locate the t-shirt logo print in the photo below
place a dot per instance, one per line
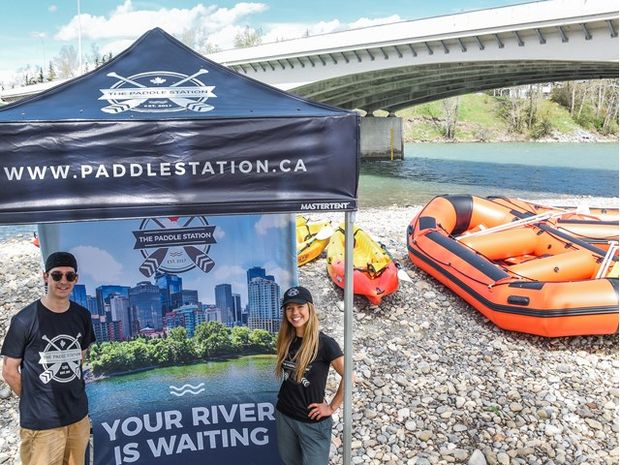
(61, 359)
(289, 369)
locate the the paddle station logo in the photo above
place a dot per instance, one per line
(61, 359)
(157, 92)
(174, 244)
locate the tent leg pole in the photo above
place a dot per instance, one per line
(349, 219)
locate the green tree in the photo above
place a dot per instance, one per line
(262, 341)
(240, 338)
(212, 339)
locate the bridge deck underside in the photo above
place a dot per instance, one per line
(397, 88)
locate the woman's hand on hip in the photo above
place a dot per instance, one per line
(319, 410)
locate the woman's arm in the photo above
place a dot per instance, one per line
(323, 409)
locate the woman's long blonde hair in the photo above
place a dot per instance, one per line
(309, 345)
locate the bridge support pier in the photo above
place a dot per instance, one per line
(381, 138)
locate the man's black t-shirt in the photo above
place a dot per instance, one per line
(294, 398)
(50, 345)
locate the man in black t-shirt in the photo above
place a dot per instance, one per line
(43, 352)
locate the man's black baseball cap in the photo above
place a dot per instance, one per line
(60, 259)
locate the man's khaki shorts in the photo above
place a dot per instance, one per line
(65, 445)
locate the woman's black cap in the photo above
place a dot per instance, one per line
(297, 295)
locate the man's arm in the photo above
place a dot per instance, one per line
(11, 373)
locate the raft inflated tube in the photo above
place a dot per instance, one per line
(530, 278)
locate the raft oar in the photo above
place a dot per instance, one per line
(515, 224)
(613, 248)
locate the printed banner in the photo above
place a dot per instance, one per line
(185, 310)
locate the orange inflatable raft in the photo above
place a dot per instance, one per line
(527, 268)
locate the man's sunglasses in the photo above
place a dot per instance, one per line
(57, 276)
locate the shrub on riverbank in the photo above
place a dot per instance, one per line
(485, 118)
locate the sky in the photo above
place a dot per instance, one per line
(33, 32)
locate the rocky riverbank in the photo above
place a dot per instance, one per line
(437, 383)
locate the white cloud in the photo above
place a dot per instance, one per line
(203, 23)
(115, 47)
(366, 22)
(284, 31)
(226, 273)
(108, 270)
(126, 22)
(52, 8)
(267, 222)
(281, 275)
(219, 233)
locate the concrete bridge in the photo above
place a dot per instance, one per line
(393, 66)
(397, 65)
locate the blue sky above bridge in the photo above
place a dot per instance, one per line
(34, 31)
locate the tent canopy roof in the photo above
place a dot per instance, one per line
(160, 73)
(162, 131)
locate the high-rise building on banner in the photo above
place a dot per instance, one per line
(91, 305)
(258, 272)
(100, 328)
(145, 304)
(115, 330)
(168, 284)
(264, 304)
(78, 295)
(189, 315)
(185, 297)
(212, 313)
(103, 292)
(119, 311)
(237, 309)
(224, 301)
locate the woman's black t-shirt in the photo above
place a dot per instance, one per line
(294, 398)
(50, 345)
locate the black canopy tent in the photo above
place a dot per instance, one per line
(161, 130)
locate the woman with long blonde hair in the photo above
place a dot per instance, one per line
(303, 415)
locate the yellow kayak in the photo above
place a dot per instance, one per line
(375, 273)
(309, 246)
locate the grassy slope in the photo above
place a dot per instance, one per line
(478, 120)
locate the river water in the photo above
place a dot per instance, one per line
(161, 388)
(531, 171)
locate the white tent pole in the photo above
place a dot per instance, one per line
(349, 219)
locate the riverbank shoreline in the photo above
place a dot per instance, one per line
(437, 383)
(578, 137)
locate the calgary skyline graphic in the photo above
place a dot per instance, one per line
(235, 277)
